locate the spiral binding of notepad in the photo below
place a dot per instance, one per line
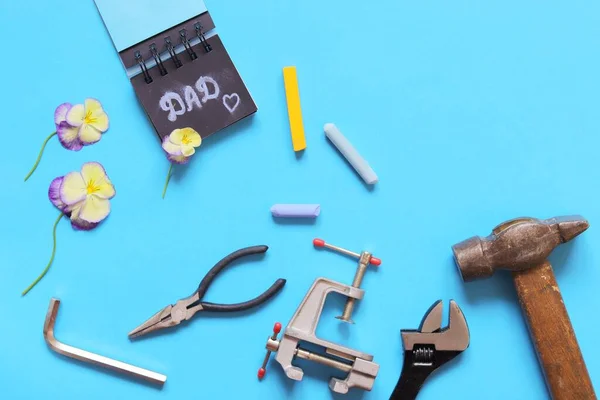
(171, 53)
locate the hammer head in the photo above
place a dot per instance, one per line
(515, 245)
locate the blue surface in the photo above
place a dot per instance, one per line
(470, 113)
(132, 21)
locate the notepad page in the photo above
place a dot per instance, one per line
(132, 21)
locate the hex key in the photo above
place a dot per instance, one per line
(92, 358)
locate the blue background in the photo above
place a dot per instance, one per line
(471, 113)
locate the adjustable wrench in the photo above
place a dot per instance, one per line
(430, 347)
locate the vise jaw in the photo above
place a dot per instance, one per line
(360, 367)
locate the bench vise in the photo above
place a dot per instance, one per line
(359, 366)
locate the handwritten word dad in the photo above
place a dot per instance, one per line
(172, 102)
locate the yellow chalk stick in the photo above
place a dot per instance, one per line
(292, 94)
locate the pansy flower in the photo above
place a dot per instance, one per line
(76, 126)
(84, 197)
(180, 145)
(85, 122)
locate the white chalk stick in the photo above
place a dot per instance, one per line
(345, 147)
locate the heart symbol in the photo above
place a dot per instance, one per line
(231, 101)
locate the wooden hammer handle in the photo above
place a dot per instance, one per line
(566, 375)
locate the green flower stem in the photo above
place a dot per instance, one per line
(39, 156)
(39, 278)
(168, 179)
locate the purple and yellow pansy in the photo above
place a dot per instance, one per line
(76, 126)
(180, 145)
(84, 125)
(83, 196)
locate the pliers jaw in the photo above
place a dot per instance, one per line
(169, 316)
(160, 320)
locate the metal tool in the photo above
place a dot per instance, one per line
(430, 347)
(521, 246)
(92, 358)
(360, 367)
(263, 369)
(364, 259)
(185, 308)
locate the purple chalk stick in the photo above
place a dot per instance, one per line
(296, 210)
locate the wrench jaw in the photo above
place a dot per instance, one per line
(455, 337)
(459, 337)
(432, 321)
(429, 348)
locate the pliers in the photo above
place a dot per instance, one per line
(430, 347)
(185, 308)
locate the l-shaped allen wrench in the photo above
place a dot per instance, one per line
(92, 358)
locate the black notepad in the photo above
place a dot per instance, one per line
(177, 64)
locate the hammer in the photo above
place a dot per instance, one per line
(521, 246)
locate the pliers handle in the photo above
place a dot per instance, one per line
(220, 266)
